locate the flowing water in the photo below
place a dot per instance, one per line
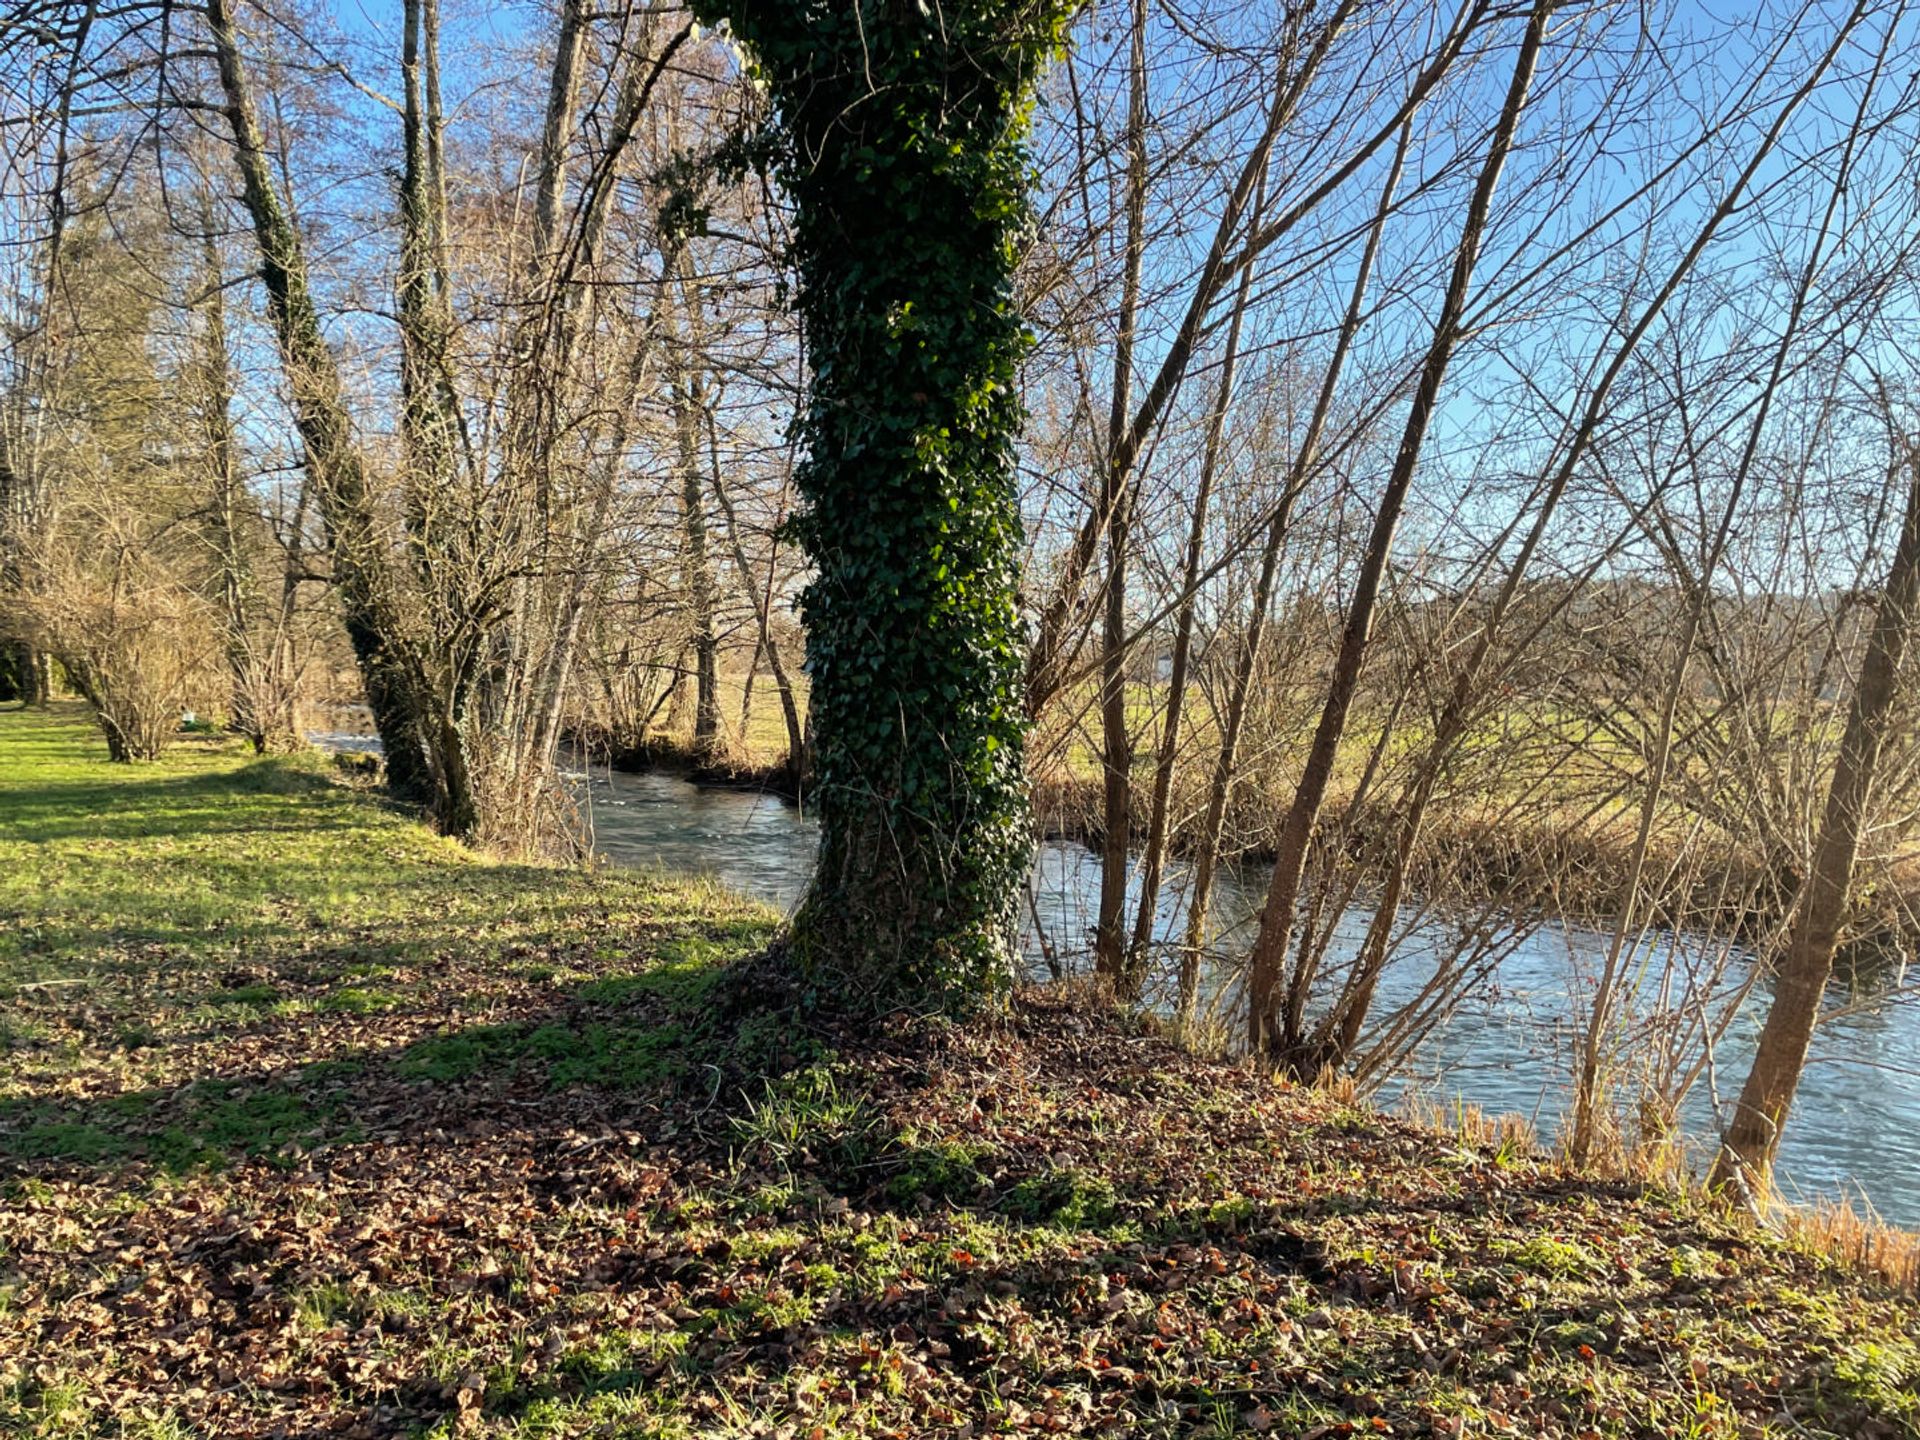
(1855, 1129)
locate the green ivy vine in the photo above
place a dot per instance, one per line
(897, 132)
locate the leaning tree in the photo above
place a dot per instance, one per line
(897, 131)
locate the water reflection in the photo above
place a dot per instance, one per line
(752, 843)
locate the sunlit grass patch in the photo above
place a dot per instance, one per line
(1884, 1375)
(1546, 1255)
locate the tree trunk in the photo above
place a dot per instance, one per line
(430, 407)
(1275, 1021)
(1800, 976)
(22, 675)
(123, 747)
(689, 419)
(556, 539)
(1340, 1033)
(1220, 791)
(905, 215)
(763, 618)
(548, 689)
(226, 504)
(1109, 944)
(337, 471)
(1153, 855)
(430, 427)
(1587, 1110)
(1046, 667)
(550, 693)
(700, 586)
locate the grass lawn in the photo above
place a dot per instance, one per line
(314, 1124)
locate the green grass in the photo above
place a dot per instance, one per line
(154, 913)
(211, 856)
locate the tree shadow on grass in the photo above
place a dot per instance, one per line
(1056, 1296)
(207, 803)
(631, 1036)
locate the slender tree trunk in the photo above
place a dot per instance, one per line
(24, 672)
(1226, 762)
(501, 668)
(282, 681)
(261, 701)
(1339, 1036)
(1587, 1087)
(556, 135)
(677, 693)
(1587, 1090)
(549, 688)
(1801, 973)
(689, 417)
(746, 689)
(1271, 1025)
(700, 587)
(523, 696)
(1109, 944)
(1046, 663)
(21, 673)
(1153, 856)
(225, 502)
(118, 750)
(796, 761)
(551, 691)
(430, 406)
(431, 427)
(763, 619)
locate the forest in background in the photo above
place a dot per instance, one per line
(1469, 460)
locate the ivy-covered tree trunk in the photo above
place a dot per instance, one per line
(899, 131)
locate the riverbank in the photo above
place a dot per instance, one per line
(1578, 860)
(313, 1123)
(664, 754)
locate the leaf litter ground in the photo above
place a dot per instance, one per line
(392, 1142)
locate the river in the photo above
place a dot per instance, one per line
(1854, 1132)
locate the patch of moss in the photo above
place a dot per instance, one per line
(619, 1056)
(64, 1140)
(622, 1056)
(1067, 1198)
(946, 1172)
(461, 1053)
(1544, 1255)
(359, 1000)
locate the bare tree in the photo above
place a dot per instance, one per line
(1801, 972)
(1272, 1026)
